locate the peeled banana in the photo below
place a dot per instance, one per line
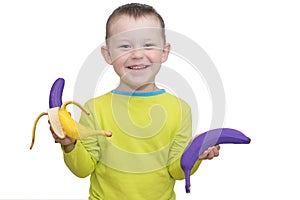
(60, 119)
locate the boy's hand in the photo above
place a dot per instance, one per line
(67, 142)
(210, 153)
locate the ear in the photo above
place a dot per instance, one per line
(165, 53)
(106, 55)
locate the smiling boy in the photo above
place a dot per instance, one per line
(136, 48)
(150, 126)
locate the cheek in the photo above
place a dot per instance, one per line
(156, 56)
(118, 64)
(119, 58)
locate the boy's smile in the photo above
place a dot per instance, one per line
(138, 67)
(136, 50)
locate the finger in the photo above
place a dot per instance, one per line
(53, 134)
(56, 140)
(210, 155)
(216, 152)
(203, 156)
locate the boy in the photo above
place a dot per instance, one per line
(150, 127)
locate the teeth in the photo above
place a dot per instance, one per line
(137, 67)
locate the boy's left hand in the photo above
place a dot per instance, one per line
(210, 153)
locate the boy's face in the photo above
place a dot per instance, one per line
(136, 49)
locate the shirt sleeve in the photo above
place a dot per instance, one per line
(84, 157)
(180, 142)
(79, 161)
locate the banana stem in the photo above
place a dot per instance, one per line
(75, 103)
(34, 127)
(187, 181)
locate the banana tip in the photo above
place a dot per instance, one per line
(107, 133)
(188, 189)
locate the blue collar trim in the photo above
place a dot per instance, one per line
(139, 94)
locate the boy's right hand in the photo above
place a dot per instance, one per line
(68, 143)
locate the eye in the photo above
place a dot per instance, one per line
(149, 45)
(125, 46)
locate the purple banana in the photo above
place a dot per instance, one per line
(55, 98)
(202, 142)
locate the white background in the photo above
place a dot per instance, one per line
(255, 46)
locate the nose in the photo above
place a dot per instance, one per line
(137, 53)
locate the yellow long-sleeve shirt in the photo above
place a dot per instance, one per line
(141, 160)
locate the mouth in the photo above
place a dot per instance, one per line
(138, 67)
